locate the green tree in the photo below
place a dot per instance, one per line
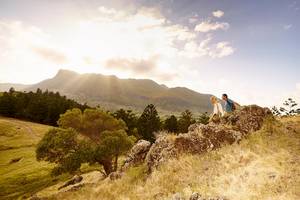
(203, 118)
(102, 140)
(289, 108)
(114, 144)
(130, 120)
(171, 124)
(185, 120)
(8, 104)
(60, 146)
(148, 123)
(43, 107)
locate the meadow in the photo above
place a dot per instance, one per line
(20, 174)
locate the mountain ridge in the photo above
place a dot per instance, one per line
(112, 93)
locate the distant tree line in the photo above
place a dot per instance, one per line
(149, 122)
(42, 107)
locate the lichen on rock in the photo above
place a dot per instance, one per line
(202, 138)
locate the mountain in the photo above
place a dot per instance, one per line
(7, 86)
(112, 92)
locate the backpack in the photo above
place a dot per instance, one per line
(232, 105)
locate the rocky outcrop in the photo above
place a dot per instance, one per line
(206, 137)
(137, 154)
(202, 138)
(248, 119)
(161, 150)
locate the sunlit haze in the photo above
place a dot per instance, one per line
(247, 49)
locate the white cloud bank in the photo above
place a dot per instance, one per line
(128, 38)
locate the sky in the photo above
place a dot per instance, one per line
(248, 49)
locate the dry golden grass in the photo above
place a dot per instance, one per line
(264, 166)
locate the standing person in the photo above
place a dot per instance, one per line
(218, 110)
(230, 106)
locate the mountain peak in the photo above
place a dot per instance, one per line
(65, 73)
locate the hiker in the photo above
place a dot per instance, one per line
(218, 110)
(230, 105)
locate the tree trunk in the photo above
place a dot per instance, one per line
(116, 163)
(107, 165)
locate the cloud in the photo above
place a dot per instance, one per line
(222, 49)
(50, 54)
(294, 5)
(206, 48)
(107, 11)
(140, 41)
(167, 76)
(138, 66)
(208, 26)
(287, 27)
(18, 61)
(218, 13)
(20, 40)
(193, 20)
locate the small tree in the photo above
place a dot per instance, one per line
(102, 140)
(203, 118)
(114, 143)
(289, 108)
(276, 111)
(148, 123)
(185, 120)
(170, 124)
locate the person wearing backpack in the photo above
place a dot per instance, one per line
(230, 106)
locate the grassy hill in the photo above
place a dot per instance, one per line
(266, 165)
(20, 173)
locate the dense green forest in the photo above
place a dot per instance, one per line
(42, 107)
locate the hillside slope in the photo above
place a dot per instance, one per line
(112, 93)
(266, 165)
(20, 173)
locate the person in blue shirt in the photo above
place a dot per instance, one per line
(229, 104)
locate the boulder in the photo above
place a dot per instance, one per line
(137, 154)
(205, 138)
(247, 119)
(74, 180)
(161, 150)
(202, 138)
